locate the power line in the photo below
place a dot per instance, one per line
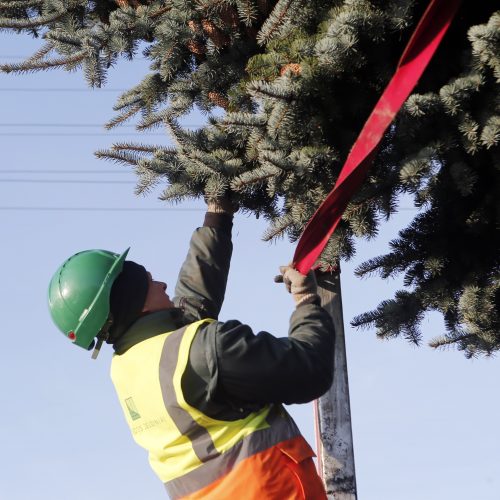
(117, 171)
(27, 56)
(125, 209)
(79, 125)
(54, 89)
(101, 209)
(63, 181)
(48, 134)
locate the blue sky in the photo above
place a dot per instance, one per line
(425, 422)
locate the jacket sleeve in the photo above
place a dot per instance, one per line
(250, 368)
(202, 280)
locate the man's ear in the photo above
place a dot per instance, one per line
(146, 307)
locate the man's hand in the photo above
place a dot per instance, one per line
(221, 206)
(303, 288)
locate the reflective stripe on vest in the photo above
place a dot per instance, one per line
(187, 449)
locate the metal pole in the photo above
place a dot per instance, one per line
(332, 410)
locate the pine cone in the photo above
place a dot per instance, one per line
(195, 27)
(218, 99)
(196, 48)
(214, 33)
(293, 67)
(127, 3)
(132, 3)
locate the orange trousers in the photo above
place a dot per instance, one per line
(286, 471)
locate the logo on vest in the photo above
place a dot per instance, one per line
(132, 409)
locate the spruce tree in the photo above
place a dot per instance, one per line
(287, 86)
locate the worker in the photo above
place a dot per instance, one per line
(203, 397)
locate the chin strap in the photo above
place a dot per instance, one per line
(102, 336)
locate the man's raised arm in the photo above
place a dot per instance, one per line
(201, 284)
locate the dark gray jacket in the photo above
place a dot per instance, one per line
(233, 371)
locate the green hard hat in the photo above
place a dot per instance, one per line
(79, 293)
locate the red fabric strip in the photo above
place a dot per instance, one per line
(416, 56)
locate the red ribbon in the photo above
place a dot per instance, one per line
(416, 56)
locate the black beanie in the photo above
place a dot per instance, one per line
(128, 295)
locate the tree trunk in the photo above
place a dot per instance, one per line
(332, 410)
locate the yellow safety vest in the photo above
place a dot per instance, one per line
(187, 449)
